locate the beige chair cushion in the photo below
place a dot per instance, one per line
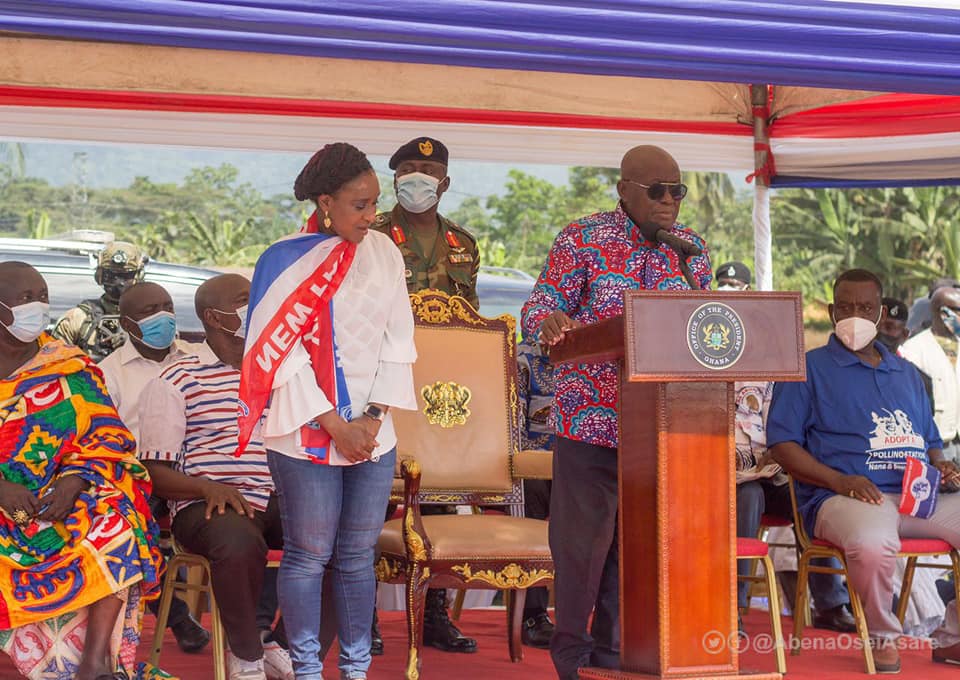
(465, 537)
(474, 456)
(533, 464)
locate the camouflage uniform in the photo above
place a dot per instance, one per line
(452, 266)
(93, 326)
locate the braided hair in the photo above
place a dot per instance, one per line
(329, 169)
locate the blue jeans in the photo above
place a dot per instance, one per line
(331, 514)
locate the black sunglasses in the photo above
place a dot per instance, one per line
(657, 190)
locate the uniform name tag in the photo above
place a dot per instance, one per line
(460, 258)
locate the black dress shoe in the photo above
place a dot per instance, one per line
(537, 631)
(837, 619)
(376, 639)
(191, 636)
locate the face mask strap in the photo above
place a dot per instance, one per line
(227, 330)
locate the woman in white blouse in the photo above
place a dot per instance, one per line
(328, 428)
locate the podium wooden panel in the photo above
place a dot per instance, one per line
(680, 354)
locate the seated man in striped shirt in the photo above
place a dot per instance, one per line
(224, 505)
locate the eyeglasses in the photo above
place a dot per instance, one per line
(657, 190)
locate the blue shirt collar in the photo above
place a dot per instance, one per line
(844, 357)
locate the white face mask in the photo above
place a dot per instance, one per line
(727, 286)
(855, 332)
(417, 192)
(29, 320)
(241, 331)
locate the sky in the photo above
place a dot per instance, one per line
(271, 173)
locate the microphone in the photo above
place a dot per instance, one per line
(683, 249)
(682, 246)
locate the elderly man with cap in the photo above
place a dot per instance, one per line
(439, 254)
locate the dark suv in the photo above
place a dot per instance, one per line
(68, 268)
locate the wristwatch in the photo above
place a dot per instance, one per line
(373, 411)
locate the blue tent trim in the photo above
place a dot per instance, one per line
(786, 42)
(791, 182)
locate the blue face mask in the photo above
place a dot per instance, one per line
(158, 330)
(950, 320)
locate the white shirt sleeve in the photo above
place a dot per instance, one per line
(110, 370)
(163, 422)
(393, 384)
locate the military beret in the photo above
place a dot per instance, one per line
(895, 309)
(420, 149)
(737, 271)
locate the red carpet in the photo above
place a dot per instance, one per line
(826, 655)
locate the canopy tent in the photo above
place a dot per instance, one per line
(565, 81)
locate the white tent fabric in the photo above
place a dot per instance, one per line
(251, 132)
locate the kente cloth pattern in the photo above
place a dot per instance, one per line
(589, 266)
(52, 649)
(56, 419)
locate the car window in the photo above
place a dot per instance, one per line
(501, 296)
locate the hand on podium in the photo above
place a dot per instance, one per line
(554, 327)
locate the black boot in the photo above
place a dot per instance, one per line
(191, 636)
(439, 631)
(376, 639)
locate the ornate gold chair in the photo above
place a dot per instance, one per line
(458, 448)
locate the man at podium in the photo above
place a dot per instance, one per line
(637, 246)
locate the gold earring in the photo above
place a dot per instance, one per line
(326, 220)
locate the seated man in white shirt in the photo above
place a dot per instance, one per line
(934, 352)
(224, 505)
(146, 314)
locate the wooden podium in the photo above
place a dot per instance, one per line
(682, 352)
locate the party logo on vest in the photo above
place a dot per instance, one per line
(715, 335)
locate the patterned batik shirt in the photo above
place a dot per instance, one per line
(592, 261)
(536, 387)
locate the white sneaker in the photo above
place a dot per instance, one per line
(241, 669)
(276, 662)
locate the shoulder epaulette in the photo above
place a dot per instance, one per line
(458, 231)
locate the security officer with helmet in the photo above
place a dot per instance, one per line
(94, 325)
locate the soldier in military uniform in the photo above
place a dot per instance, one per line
(94, 325)
(437, 254)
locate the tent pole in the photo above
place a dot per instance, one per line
(760, 99)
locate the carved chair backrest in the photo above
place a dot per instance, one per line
(465, 430)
